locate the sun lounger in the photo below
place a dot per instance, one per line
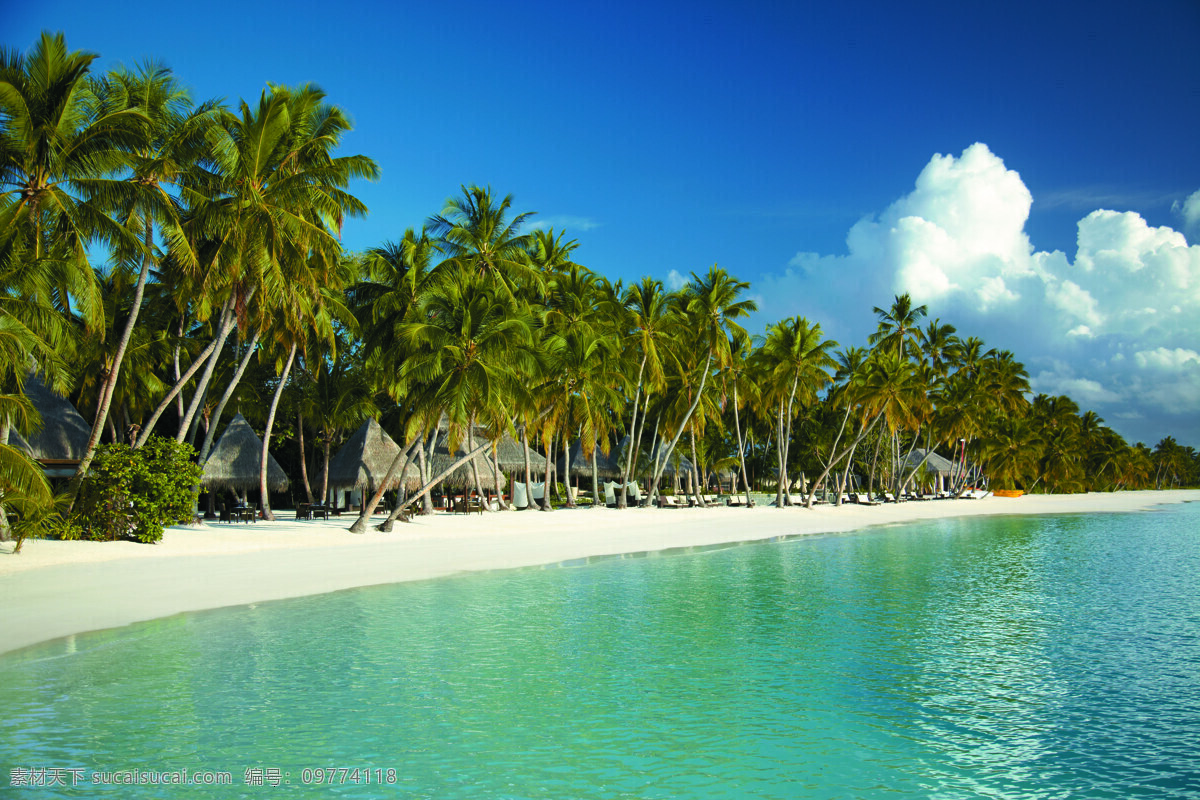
(669, 501)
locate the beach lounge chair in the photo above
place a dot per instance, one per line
(669, 501)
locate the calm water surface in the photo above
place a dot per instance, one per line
(1038, 657)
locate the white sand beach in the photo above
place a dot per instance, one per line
(53, 589)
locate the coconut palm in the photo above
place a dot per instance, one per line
(711, 307)
(651, 321)
(478, 238)
(795, 359)
(172, 143)
(899, 329)
(276, 196)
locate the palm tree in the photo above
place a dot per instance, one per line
(478, 238)
(171, 144)
(898, 329)
(651, 322)
(795, 359)
(276, 196)
(711, 306)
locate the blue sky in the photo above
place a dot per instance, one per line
(831, 154)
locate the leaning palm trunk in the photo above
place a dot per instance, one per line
(227, 324)
(622, 497)
(210, 435)
(841, 429)
(696, 469)
(596, 481)
(262, 467)
(367, 510)
(835, 460)
(686, 418)
(737, 424)
(110, 383)
(199, 362)
(436, 479)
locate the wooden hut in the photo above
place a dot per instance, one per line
(60, 443)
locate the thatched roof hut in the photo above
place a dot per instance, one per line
(607, 466)
(935, 465)
(233, 462)
(363, 461)
(62, 440)
(461, 477)
(510, 455)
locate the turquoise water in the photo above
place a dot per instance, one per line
(1032, 657)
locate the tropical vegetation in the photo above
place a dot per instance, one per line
(165, 262)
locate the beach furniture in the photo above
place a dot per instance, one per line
(669, 501)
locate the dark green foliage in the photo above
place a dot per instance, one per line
(133, 494)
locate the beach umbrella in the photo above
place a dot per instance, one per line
(62, 440)
(363, 461)
(233, 463)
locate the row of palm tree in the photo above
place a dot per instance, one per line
(162, 258)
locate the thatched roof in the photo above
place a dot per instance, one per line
(233, 463)
(363, 461)
(606, 465)
(443, 458)
(511, 455)
(64, 433)
(935, 463)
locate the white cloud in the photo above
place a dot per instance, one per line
(1102, 326)
(675, 280)
(1190, 211)
(1167, 359)
(565, 222)
(1084, 391)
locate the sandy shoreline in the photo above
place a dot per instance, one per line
(54, 589)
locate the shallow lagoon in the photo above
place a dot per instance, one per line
(974, 657)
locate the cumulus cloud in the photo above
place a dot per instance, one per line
(675, 280)
(1190, 211)
(1114, 326)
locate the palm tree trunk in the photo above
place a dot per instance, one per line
(328, 445)
(426, 497)
(687, 417)
(439, 478)
(737, 424)
(780, 460)
(496, 474)
(528, 475)
(303, 457)
(622, 497)
(227, 324)
(567, 469)
(262, 464)
(200, 361)
(836, 459)
(110, 383)
(399, 466)
(546, 479)
(210, 435)
(596, 481)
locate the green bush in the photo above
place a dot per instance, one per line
(133, 494)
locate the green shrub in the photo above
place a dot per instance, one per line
(133, 494)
